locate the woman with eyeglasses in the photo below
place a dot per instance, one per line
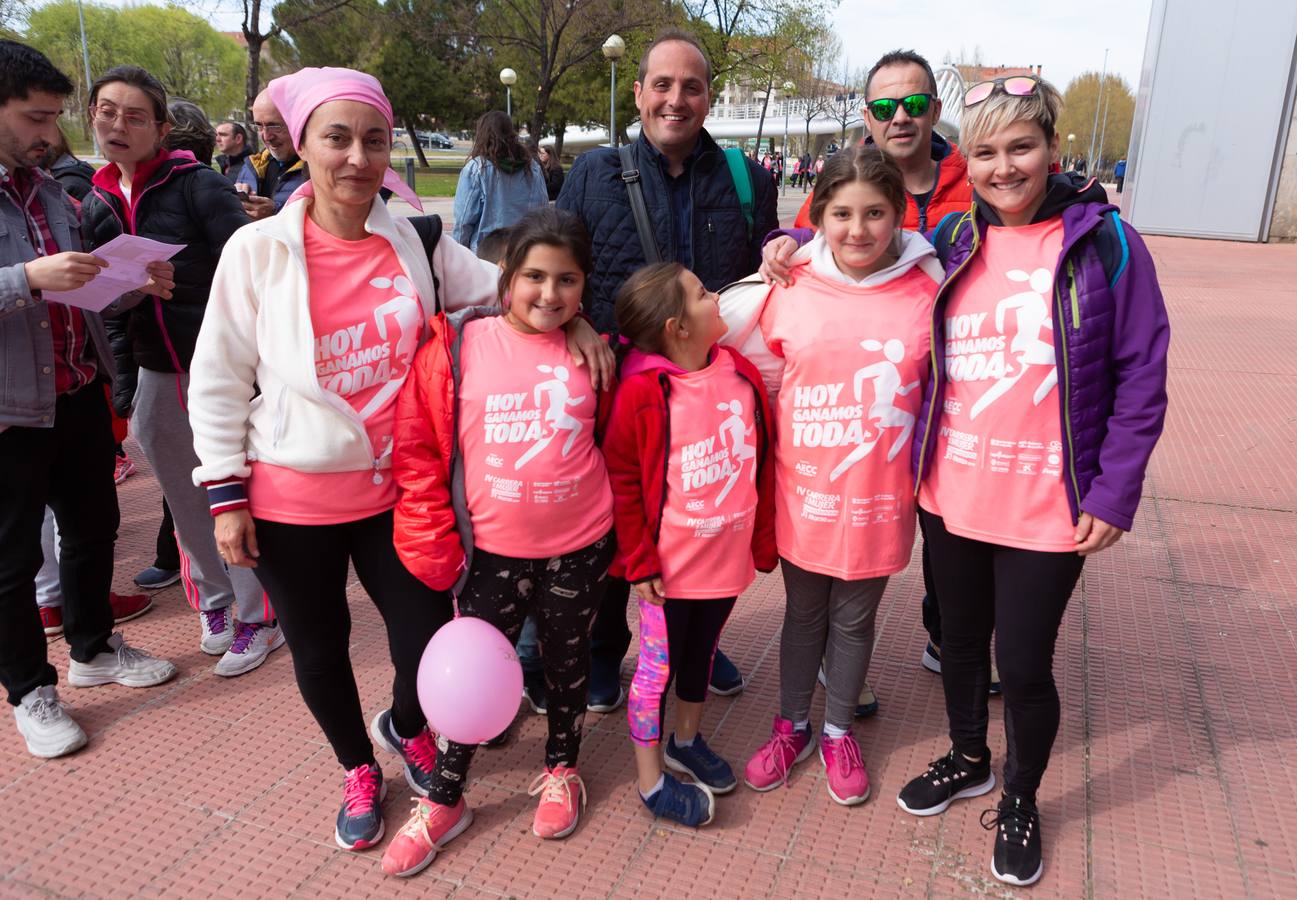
(167, 195)
(1046, 397)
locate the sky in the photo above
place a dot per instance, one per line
(1066, 38)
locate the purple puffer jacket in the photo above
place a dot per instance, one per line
(1111, 358)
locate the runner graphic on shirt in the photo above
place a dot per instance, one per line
(559, 398)
(1032, 311)
(734, 435)
(405, 309)
(883, 412)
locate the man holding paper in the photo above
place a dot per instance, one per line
(56, 442)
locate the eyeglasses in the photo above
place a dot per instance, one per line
(884, 108)
(106, 114)
(269, 126)
(1014, 86)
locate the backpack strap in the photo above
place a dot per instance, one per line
(429, 229)
(635, 191)
(742, 183)
(1110, 243)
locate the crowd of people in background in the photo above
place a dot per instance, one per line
(957, 340)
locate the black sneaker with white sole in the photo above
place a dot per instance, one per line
(950, 778)
(1016, 823)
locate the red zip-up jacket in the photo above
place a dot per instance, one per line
(636, 451)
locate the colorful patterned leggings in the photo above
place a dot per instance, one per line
(564, 594)
(676, 641)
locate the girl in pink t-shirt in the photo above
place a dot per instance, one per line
(689, 456)
(504, 494)
(843, 350)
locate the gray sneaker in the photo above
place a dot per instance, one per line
(46, 726)
(252, 644)
(122, 664)
(218, 631)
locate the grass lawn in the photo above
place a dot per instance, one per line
(428, 184)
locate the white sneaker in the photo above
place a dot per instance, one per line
(46, 725)
(123, 664)
(218, 631)
(252, 644)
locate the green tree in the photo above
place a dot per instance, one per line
(55, 31)
(190, 58)
(1079, 104)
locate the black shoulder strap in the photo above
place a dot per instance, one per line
(635, 190)
(429, 228)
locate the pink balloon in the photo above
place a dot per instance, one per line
(470, 681)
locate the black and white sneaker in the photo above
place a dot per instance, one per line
(948, 779)
(1016, 823)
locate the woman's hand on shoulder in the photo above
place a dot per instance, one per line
(776, 261)
(591, 350)
(1093, 535)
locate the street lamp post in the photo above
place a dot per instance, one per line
(85, 58)
(613, 49)
(1070, 137)
(508, 77)
(789, 87)
(1094, 129)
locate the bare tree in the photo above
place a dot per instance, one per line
(256, 38)
(847, 100)
(813, 81)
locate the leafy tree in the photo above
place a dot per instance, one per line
(1078, 117)
(55, 30)
(776, 57)
(189, 57)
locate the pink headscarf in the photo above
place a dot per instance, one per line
(298, 95)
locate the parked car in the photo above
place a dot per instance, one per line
(436, 140)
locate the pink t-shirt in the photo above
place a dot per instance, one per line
(705, 542)
(368, 322)
(997, 467)
(535, 480)
(854, 363)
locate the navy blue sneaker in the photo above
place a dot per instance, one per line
(606, 703)
(533, 691)
(726, 679)
(688, 804)
(360, 821)
(155, 579)
(698, 761)
(418, 753)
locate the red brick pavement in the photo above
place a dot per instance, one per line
(1177, 667)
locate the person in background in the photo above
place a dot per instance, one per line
(267, 179)
(501, 180)
(232, 142)
(1120, 174)
(74, 174)
(553, 170)
(191, 131)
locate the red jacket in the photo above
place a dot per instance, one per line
(636, 450)
(952, 192)
(433, 533)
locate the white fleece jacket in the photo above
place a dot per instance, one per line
(743, 301)
(257, 330)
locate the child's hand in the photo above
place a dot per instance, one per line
(587, 348)
(776, 260)
(652, 591)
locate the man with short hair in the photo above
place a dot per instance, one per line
(901, 110)
(271, 176)
(56, 439)
(697, 219)
(232, 147)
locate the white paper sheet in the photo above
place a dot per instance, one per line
(126, 255)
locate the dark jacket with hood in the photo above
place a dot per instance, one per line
(1110, 342)
(176, 200)
(74, 175)
(257, 165)
(724, 249)
(231, 164)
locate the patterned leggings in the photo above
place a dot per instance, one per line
(676, 640)
(563, 592)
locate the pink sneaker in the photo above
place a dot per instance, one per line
(770, 766)
(559, 810)
(848, 780)
(431, 826)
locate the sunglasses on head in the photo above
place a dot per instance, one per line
(1014, 86)
(884, 108)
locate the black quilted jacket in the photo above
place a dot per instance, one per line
(184, 202)
(723, 251)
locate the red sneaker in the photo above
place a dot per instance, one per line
(52, 620)
(128, 606)
(562, 797)
(124, 469)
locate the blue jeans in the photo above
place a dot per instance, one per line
(528, 648)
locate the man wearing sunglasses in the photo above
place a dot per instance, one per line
(269, 178)
(901, 107)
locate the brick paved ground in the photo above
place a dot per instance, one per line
(1177, 667)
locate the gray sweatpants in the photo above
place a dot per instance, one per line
(48, 590)
(161, 426)
(831, 619)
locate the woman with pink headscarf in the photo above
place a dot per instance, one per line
(314, 317)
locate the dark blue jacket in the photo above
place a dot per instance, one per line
(724, 249)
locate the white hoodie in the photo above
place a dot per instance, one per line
(257, 331)
(743, 302)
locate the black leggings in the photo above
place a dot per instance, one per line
(1021, 596)
(564, 593)
(304, 571)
